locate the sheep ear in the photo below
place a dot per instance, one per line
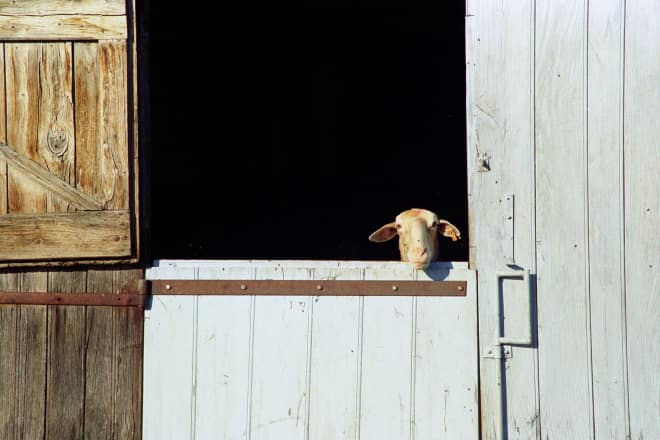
(448, 230)
(384, 233)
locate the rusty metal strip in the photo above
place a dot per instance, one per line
(307, 287)
(132, 294)
(73, 299)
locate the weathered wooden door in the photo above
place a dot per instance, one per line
(311, 367)
(66, 162)
(563, 153)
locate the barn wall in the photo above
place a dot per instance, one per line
(563, 103)
(70, 371)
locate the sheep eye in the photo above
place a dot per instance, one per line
(434, 225)
(398, 227)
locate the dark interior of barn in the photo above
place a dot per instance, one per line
(294, 132)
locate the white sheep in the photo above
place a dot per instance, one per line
(418, 231)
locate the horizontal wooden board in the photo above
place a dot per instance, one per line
(50, 7)
(63, 27)
(304, 287)
(83, 234)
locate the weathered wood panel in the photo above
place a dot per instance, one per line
(309, 367)
(223, 360)
(63, 27)
(23, 61)
(168, 367)
(605, 218)
(3, 133)
(127, 355)
(387, 355)
(642, 214)
(335, 361)
(500, 94)
(65, 392)
(562, 204)
(65, 235)
(51, 7)
(280, 361)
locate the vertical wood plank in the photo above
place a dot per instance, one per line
(87, 109)
(605, 190)
(113, 160)
(279, 376)
(23, 62)
(500, 97)
(333, 411)
(168, 340)
(3, 132)
(65, 393)
(642, 211)
(56, 142)
(9, 384)
(566, 409)
(99, 374)
(387, 357)
(31, 359)
(223, 360)
(446, 380)
(128, 337)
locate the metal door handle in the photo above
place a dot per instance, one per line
(519, 274)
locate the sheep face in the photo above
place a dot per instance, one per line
(418, 231)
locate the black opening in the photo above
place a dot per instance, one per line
(293, 133)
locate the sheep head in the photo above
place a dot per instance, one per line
(418, 231)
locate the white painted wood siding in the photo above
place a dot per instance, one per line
(563, 98)
(294, 367)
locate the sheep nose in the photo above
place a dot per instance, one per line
(420, 251)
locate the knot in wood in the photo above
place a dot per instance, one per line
(57, 142)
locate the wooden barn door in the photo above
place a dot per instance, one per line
(66, 167)
(328, 366)
(563, 155)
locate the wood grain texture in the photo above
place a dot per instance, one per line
(30, 361)
(642, 214)
(3, 134)
(500, 119)
(605, 192)
(101, 104)
(128, 338)
(53, 7)
(83, 234)
(335, 361)
(99, 362)
(62, 27)
(56, 143)
(9, 318)
(23, 60)
(59, 191)
(561, 190)
(65, 392)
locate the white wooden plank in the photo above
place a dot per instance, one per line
(642, 214)
(566, 397)
(387, 357)
(223, 359)
(168, 375)
(446, 354)
(334, 361)
(605, 171)
(500, 107)
(280, 362)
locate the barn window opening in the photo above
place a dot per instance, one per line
(295, 132)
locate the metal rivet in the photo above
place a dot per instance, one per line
(319, 287)
(395, 288)
(168, 286)
(460, 288)
(243, 287)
